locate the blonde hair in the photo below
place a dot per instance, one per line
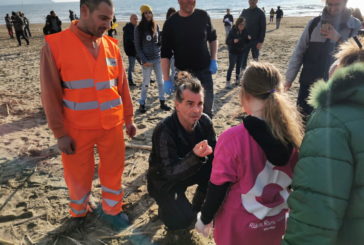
(349, 52)
(264, 81)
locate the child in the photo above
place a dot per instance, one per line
(253, 165)
(236, 41)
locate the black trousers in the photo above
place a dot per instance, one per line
(174, 209)
(303, 93)
(21, 34)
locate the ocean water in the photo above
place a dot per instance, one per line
(36, 13)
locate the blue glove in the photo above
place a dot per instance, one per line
(168, 87)
(213, 66)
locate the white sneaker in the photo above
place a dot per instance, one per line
(228, 85)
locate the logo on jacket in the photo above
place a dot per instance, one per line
(111, 62)
(268, 196)
(149, 38)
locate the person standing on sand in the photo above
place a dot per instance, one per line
(86, 99)
(237, 40)
(256, 26)
(185, 36)
(129, 46)
(9, 26)
(182, 147)
(271, 15)
(228, 22)
(147, 45)
(279, 16)
(26, 25)
(170, 12)
(53, 23)
(326, 205)
(18, 23)
(314, 50)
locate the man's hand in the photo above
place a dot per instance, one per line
(287, 86)
(66, 145)
(201, 227)
(236, 40)
(202, 149)
(168, 87)
(130, 129)
(330, 33)
(259, 45)
(213, 66)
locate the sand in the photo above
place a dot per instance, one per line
(33, 194)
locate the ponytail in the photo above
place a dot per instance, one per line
(263, 81)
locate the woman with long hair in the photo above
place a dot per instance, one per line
(147, 44)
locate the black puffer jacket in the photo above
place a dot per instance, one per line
(237, 48)
(172, 159)
(128, 39)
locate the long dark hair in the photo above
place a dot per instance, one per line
(147, 26)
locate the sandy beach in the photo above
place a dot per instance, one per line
(33, 194)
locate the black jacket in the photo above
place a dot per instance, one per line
(237, 48)
(255, 23)
(172, 159)
(128, 39)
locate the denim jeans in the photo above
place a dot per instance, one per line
(255, 53)
(131, 68)
(147, 72)
(234, 60)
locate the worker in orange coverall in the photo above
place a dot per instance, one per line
(86, 98)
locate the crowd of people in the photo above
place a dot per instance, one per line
(19, 23)
(248, 177)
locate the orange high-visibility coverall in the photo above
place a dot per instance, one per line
(92, 106)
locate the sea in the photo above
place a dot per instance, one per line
(37, 12)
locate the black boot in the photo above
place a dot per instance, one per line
(142, 109)
(164, 107)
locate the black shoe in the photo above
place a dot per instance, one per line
(164, 107)
(142, 109)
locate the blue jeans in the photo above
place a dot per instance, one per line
(131, 68)
(234, 60)
(255, 53)
(147, 72)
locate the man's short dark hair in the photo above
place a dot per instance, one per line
(185, 81)
(93, 4)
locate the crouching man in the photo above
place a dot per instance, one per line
(181, 156)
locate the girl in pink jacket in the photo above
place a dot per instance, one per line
(253, 165)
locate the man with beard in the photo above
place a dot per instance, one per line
(182, 146)
(185, 36)
(315, 49)
(86, 99)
